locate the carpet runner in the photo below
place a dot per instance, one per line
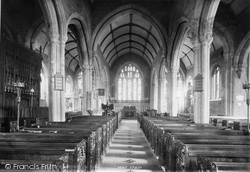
(129, 151)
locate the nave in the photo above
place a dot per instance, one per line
(129, 151)
(145, 143)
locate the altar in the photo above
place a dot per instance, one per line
(129, 112)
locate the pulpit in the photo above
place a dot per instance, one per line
(129, 111)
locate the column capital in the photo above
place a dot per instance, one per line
(174, 69)
(228, 55)
(87, 67)
(63, 39)
(53, 36)
(206, 38)
(240, 69)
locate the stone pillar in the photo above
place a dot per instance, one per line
(86, 88)
(98, 102)
(229, 84)
(53, 101)
(156, 96)
(1, 72)
(56, 97)
(173, 92)
(161, 95)
(62, 71)
(202, 66)
(106, 95)
(152, 93)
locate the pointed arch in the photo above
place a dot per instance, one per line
(209, 9)
(242, 51)
(82, 27)
(50, 17)
(178, 36)
(128, 9)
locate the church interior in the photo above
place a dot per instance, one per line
(125, 85)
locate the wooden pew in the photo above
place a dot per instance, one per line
(83, 148)
(54, 134)
(172, 143)
(100, 140)
(60, 158)
(154, 136)
(165, 136)
(205, 164)
(186, 154)
(104, 132)
(85, 123)
(204, 138)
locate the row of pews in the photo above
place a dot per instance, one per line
(181, 145)
(76, 145)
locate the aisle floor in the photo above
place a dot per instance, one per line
(129, 151)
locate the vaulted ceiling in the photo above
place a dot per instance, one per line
(129, 33)
(237, 5)
(71, 52)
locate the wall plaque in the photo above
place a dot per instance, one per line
(198, 86)
(58, 81)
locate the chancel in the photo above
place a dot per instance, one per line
(125, 85)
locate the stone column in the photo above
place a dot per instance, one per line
(161, 95)
(98, 102)
(202, 66)
(106, 95)
(156, 95)
(1, 72)
(173, 101)
(86, 88)
(56, 97)
(229, 84)
(54, 104)
(152, 95)
(62, 71)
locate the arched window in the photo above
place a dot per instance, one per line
(216, 83)
(79, 81)
(42, 86)
(129, 83)
(180, 86)
(69, 84)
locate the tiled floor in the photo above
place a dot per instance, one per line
(129, 151)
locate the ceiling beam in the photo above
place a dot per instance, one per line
(112, 34)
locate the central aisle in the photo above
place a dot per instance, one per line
(129, 151)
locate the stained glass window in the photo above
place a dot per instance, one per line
(129, 83)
